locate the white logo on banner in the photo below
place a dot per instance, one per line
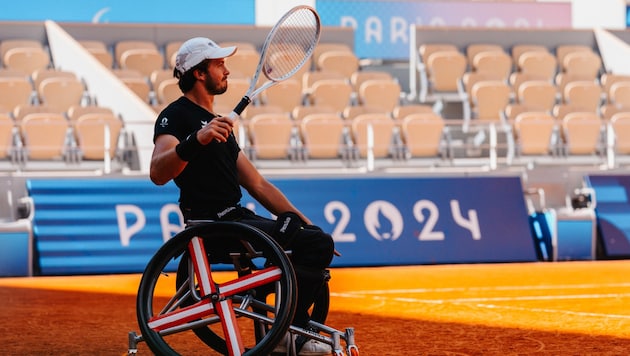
(383, 220)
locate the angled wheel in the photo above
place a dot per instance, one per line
(222, 310)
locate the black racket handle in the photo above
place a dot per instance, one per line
(242, 105)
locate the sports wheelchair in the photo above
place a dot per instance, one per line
(248, 312)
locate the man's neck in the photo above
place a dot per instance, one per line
(204, 100)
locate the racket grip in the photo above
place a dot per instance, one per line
(242, 105)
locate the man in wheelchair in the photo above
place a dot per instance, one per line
(197, 149)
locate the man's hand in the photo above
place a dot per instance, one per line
(218, 129)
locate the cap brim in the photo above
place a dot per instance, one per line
(224, 52)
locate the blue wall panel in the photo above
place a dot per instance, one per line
(613, 212)
(84, 226)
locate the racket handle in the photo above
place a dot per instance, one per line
(241, 106)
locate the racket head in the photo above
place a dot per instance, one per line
(290, 43)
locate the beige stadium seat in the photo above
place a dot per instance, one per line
(379, 93)
(26, 59)
(584, 94)
(310, 78)
(322, 135)
(586, 64)
(422, 134)
(38, 76)
(135, 81)
(619, 94)
(342, 62)
(76, 111)
(426, 50)
(243, 62)
(582, 133)
(21, 111)
(489, 100)
(607, 111)
(620, 123)
(253, 110)
(91, 131)
(538, 94)
(100, 51)
(44, 136)
(121, 47)
(286, 94)
(361, 76)
(538, 63)
(469, 79)
(15, 91)
(444, 69)
(271, 135)
(6, 45)
(324, 47)
(519, 49)
(352, 111)
(59, 93)
(331, 92)
(301, 111)
(534, 132)
(563, 50)
(382, 130)
(401, 111)
(498, 63)
(160, 75)
(517, 78)
(168, 91)
(144, 60)
(475, 48)
(7, 127)
(608, 79)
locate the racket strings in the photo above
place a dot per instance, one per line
(291, 45)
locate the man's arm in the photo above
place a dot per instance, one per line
(262, 190)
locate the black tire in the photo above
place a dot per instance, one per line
(219, 239)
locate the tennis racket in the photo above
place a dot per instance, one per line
(288, 46)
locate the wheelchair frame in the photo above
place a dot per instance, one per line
(247, 315)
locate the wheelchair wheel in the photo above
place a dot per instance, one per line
(225, 314)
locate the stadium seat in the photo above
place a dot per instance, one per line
(384, 94)
(538, 63)
(100, 51)
(331, 92)
(619, 94)
(519, 49)
(382, 131)
(244, 63)
(301, 111)
(271, 136)
(401, 111)
(361, 76)
(168, 91)
(144, 60)
(489, 100)
(620, 124)
(312, 77)
(322, 135)
(582, 133)
(90, 132)
(475, 48)
(585, 64)
(534, 133)
(444, 69)
(38, 76)
(122, 46)
(324, 47)
(7, 127)
(44, 136)
(76, 111)
(170, 52)
(26, 59)
(15, 91)
(286, 94)
(584, 94)
(538, 94)
(59, 93)
(564, 49)
(608, 79)
(343, 62)
(497, 63)
(422, 134)
(253, 110)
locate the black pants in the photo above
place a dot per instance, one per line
(311, 253)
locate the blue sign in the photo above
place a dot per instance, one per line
(116, 225)
(237, 12)
(613, 212)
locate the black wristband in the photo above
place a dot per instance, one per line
(188, 148)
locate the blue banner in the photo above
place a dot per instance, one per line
(612, 193)
(237, 12)
(110, 225)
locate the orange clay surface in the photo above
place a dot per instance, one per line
(546, 308)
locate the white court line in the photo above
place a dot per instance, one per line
(555, 311)
(494, 288)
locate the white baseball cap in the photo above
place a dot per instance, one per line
(195, 50)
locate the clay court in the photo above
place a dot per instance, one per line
(563, 308)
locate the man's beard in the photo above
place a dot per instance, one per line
(213, 89)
